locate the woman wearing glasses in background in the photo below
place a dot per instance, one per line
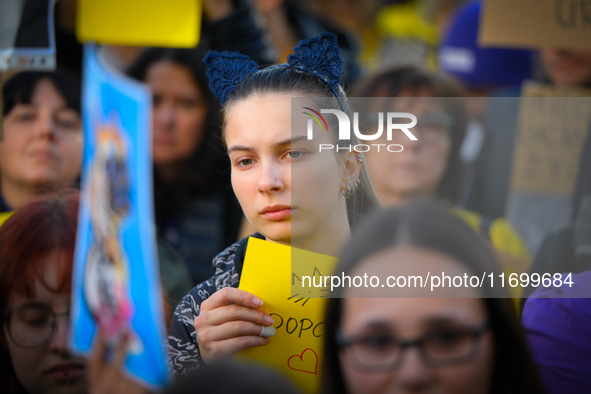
(36, 254)
(36, 259)
(431, 166)
(467, 340)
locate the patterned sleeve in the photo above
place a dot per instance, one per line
(183, 351)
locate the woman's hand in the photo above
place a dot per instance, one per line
(228, 322)
(107, 378)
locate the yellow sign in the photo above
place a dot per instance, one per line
(296, 350)
(140, 22)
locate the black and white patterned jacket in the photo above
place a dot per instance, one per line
(183, 351)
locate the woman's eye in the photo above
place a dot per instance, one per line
(67, 122)
(294, 154)
(33, 316)
(378, 341)
(25, 117)
(245, 162)
(188, 103)
(447, 338)
(40, 321)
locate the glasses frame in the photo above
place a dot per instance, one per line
(476, 333)
(55, 315)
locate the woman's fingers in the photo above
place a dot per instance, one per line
(229, 313)
(97, 359)
(231, 346)
(230, 295)
(120, 355)
(231, 329)
(229, 321)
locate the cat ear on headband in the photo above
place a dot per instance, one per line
(321, 56)
(226, 70)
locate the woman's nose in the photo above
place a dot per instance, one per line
(164, 115)
(59, 339)
(270, 179)
(413, 373)
(44, 125)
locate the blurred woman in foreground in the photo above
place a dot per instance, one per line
(403, 339)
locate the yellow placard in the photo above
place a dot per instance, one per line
(296, 350)
(140, 22)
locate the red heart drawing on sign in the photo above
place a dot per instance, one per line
(304, 364)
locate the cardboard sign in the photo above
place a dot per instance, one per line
(552, 126)
(551, 131)
(27, 39)
(116, 285)
(536, 23)
(296, 350)
(140, 22)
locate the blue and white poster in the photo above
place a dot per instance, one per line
(116, 281)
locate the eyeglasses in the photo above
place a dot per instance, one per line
(431, 128)
(383, 352)
(31, 325)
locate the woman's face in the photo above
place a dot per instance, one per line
(419, 168)
(285, 187)
(179, 113)
(464, 361)
(42, 142)
(50, 367)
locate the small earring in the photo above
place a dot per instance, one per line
(346, 191)
(360, 157)
(355, 186)
(351, 188)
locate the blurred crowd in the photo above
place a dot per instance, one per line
(448, 195)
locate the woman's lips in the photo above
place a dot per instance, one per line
(42, 154)
(163, 141)
(68, 371)
(278, 214)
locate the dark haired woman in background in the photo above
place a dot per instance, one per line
(41, 151)
(41, 145)
(196, 211)
(409, 339)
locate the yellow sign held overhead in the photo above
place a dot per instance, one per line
(296, 350)
(140, 22)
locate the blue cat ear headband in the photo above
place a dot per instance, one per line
(319, 55)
